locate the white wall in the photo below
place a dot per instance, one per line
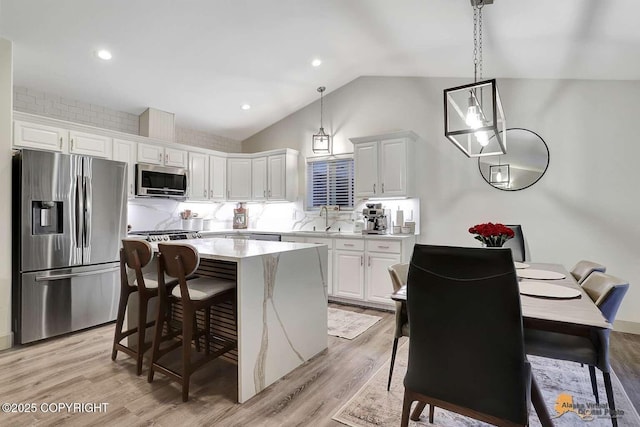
(6, 98)
(587, 206)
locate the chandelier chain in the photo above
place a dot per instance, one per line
(477, 40)
(321, 105)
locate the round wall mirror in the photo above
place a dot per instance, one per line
(527, 159)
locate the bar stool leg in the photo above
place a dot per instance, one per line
(142, 328)
(122, 307)
(187, 336)
(157, 337)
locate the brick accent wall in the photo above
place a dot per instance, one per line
(207, 140)
(58, 107)
(32, 101)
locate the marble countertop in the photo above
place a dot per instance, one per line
(321, 234)
(237, 249)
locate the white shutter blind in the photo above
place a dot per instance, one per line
(330, 182)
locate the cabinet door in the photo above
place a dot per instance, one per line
(277, 182)
(239, 179)
(198, 176)
(379, 286)
(393, 167)
(365, 157)
(175, 158)
(89, 145)
(148, 153)
(259, 178)
(348, 274)
(217, 178)
(39, 136)
(125, 151)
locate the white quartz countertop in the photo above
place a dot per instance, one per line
(237, 249)
(329, 235)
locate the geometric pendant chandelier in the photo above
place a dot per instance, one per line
(321, 142)
(473, 117)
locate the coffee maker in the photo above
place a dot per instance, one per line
(375, 219)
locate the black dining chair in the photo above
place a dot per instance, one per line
(466, 351)
(516, 243)
(591, 348)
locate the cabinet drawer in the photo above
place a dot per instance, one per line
(393, 247)
(350, 244)
(321, 241)
(295, 239)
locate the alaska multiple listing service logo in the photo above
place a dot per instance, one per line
(586, 411)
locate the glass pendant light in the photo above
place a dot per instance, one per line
(473, 116)
(321, 142)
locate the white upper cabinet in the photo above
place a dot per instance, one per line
(148, 153)
(174, 157)
(384, 165)
(217, 178)
(89, 144)
(393, 160)
(239, 179)
(259, 178)
(365, 157)
(272, 177)
(277, 177)
(198, 176)
(125, 151)
(163, 156)
(40, 137)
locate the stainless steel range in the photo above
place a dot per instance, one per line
(166, 235)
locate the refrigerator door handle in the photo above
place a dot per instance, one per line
(79, 211)
(70, 275)
(86, 184)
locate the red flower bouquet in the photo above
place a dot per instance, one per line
(492, 235)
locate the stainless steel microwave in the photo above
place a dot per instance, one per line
(160, 181)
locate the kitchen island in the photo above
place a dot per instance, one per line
(282, 305)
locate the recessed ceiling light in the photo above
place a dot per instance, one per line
(316, 62)
(246, 107)
(104, 54)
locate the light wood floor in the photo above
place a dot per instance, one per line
(78, 368)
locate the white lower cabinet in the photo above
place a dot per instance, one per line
(349, 274)
(379, 286)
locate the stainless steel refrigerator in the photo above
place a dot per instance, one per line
(69, 215)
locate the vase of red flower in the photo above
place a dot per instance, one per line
(492, 235)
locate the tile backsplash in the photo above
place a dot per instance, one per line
(164, 214)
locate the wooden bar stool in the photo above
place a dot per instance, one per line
(135, 254)
(179, 261)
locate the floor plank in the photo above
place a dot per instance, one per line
(78, 368)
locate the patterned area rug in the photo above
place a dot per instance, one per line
(349, 324)
(560, 381)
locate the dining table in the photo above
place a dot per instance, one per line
(578, 315)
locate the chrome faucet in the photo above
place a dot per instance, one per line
(326, 217)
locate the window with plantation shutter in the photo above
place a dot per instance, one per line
(330, 182)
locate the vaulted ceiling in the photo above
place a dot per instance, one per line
(203, 59)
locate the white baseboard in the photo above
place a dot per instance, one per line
(6, 341)
(626, 326)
